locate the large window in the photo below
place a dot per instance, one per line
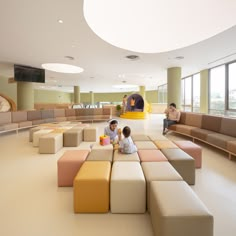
(217, 90)
(190, 87)
(162, 94)
(232, 86)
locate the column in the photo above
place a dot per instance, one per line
(76, 94)
(25, 96)
(174, 86)
(204, 78)
(142, 92)
(91, 97)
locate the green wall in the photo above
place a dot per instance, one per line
(151, 96)
(8, 89)
(47, 96)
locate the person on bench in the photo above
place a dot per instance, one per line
(172, 117)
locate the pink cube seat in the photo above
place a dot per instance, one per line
(151, 155)
(68, 166)
(192, 149)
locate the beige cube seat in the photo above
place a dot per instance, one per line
(97, 146)
(158, 171)
(38, 134)
(91, 187)
(68, 166)
(182, 162)
(72, 137)
(176, 210)
(140, 137)
(192, 149)
(125, 157)
(145, 145)
(161, 144)
(90, 134)
(50, 143)
(151, 155)
(31, 132)
(100, 155)
(128, 188)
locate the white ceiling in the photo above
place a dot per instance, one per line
(31, 35)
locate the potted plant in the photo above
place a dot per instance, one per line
(118, 110)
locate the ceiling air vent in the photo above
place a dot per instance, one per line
(132, 57)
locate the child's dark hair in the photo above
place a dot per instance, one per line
(126, 131)
(113, 122)
(173, 105)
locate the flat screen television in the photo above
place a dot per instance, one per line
(29, 74)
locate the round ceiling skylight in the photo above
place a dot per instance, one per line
(152, 26)
(62, 68)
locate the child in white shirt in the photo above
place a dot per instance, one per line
(126, 145)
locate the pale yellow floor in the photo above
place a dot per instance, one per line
(31, 204)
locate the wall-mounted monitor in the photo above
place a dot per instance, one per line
(29, 74)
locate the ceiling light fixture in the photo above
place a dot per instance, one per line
(154, 26)
(60, 21)
(127, 86)
(62, 68)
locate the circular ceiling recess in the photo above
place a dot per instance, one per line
(155, 26)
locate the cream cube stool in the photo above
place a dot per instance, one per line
(162, 144)
(68, 166)
(38, 134)
(128, 188)
(140, 137)
(151, 155)
(176, 210)
(125, 157)
(91, 187)
(97, 146)
(90, 134)
(85, 146)
(191, 149)
(50, 143)
(162, 171)
(182, 162)
(72, 137)
(100, 155)
(145, 145)
(32, 130)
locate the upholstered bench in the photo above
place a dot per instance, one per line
(192, 149)
(140, 137)
(100, 155)
(145, 145)
(128, 188)
(161, 144)
(68, 166)
(90, 134)
(162, 171)
(176, 210)
(151, 155)
(73, 137)
(50, 143)
(38, 134)
(125, 157)
(182, 162)
(91, 187)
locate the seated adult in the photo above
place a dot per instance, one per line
(172, 117)
(112, 131)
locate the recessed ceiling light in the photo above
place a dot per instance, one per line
(70, 58)
(62, 68)
(179, 58)
(132, 57)
(60, 21)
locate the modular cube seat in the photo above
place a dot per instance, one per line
(68, 166)
(140, 137)
(31, 132)
(97, 146)
(182, 162)
(128, 188)
(151, 155)
(125, 157)
(176, 210)
(162, 171)
(92, 187)
(145, 145)
(161, 144)
(50, 143)
(90, 134)
(72, 137)
(100, 155)
(192, 149)
(38, 134)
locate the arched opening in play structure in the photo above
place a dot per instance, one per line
(139, 103)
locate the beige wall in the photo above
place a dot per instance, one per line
(8, 89)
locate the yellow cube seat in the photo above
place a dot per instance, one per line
(92, 187)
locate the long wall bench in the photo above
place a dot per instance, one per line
(16, 120)
(217, 131)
